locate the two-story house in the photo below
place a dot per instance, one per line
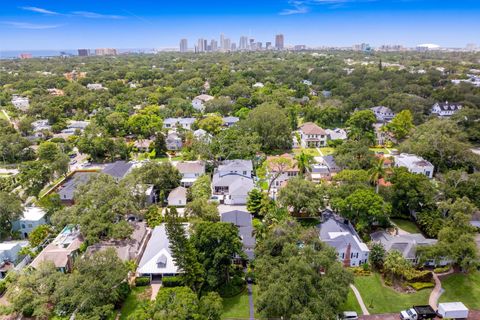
(174, 123)
(280, 169)
(445, 109)
(414, 164)
(198, 103)
(173, 141)
(232, 181)
(21, 103)
(32, 218)
(312, 136)
(190, 171)
(383, 114)
(339, 233)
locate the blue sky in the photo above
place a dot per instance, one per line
(68, 24)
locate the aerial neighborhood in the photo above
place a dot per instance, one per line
(197, 186)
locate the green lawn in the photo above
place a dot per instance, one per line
(134, 300)
(311, 151)
(380, 150)
(406, 225)
(462, 287)
(351, 304)
(2, 116)
(327, 151)
(381, 299)
(237, 307)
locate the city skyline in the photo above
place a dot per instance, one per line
(36, 25)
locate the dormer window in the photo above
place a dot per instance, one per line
(162, 262)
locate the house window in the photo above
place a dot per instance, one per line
(30, 225)
(351, 255)
(343, 255)
(23, 226)
(244, 173)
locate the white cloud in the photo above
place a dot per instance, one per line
(40, 10)
(30, 26)
(95, 15)
(299, 7)
(303, 6)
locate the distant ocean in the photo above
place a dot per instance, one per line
(12, 54)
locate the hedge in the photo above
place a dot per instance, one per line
(421, 285)
(172, 281)
(142, 281)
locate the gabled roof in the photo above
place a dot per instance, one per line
(191, 167)
(118, 169)
(67, 190)
(447, 106)
(382, 110)
(311, 128)
(158, 249)
(230, 119)
(235, 165)
(238, 218)
(204, 97)
(179, 192)
(405, 244)
(33, 214)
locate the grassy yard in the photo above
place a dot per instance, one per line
(380, 150)
(327, 151)
(237, 307)
(134, 300)
(462, 287)
(351, 304)
(406, 225)
(381, 299)
(2, 115)
(312, 151)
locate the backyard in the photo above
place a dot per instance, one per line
(381, 299)
(462, 287)
(311, 151)
(237, 307)
(406, 225)
(134, 301)
(351, 304)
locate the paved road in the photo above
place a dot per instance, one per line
(250, 301)
(360, 300)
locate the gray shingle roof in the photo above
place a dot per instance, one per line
(405, 244)
(117, 169)
(67, 190)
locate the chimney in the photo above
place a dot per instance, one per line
(346, 261)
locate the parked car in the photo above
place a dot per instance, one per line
(348, 315)
(418, 313)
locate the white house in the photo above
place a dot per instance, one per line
(173, 141)
(177, 197)
(190, 171)
(445, 109)
(339, 233)
(198, 102)
(232, 181)
(414, 164)
(95, 86)
(336, 134)
(9, 255)
(184, 123)
(21, 103)
(39, 127)
(383, 114)
(312, 136)
(32, 218)
(157, 260)
(258, 85)
(73, 126)
(230, 121)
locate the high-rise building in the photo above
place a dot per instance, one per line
(184, 45)
(243, 44)
(227, 44)
(201, 45)
(279, 42)
(83, 52)
(268, 45)
(222, 41)
(105, 52)
(213, 45)
(233, 46)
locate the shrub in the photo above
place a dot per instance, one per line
(173, 281)
(142, 281)
(420, 285)
(419, 276)
(360, 271)
(3, 287)
(233, 288)
(441, 269)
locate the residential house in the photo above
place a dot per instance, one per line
(177, 197)
(21, 103)
(143, 145)
(336, 134)
(243, 221)
(56, 92)
(339, 233)
(173, 141)
(312, 136)
(445, 109)
(383, 114)
(9, 255)
(198, 102)
(329, 162)
(407, 245)
(95, 86)
(177, 123)
(126, 249)
(157, 260)
(279, 172)
(32, 217)
(74, 126)
(118, 169)
(67, 190)
(190, 171)
(258, 85)
(414, 164)
(63, 250)
(39, 128)
(326, 93)
(232, 181)
(319, 172)
(230, 121)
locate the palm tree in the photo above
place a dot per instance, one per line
(304, 162)
(377, 172)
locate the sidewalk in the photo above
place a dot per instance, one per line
(360, 300)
